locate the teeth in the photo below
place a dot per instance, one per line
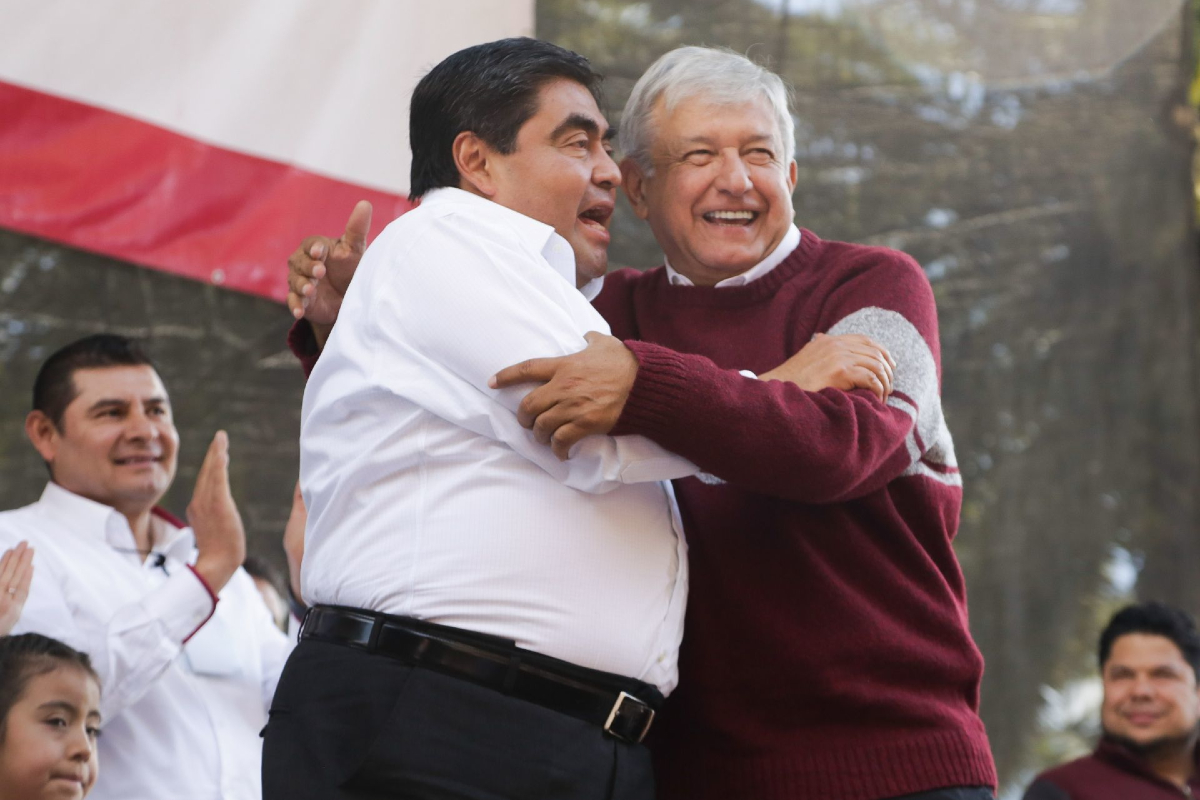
(741, 216)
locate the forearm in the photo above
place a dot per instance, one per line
(766, 436)
(134, 646)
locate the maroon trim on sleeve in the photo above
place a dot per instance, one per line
(212, 595)
(303, 344)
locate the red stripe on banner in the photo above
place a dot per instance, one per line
(111, 184)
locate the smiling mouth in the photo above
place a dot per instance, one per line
(136, 460)
(734, 218)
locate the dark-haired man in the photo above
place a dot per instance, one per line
(1149, 662)
(186, 679)
(486, 620)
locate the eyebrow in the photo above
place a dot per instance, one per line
(580, 122)
(757, 137)
(115, 402)
(61, 705)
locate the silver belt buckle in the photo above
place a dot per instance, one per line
(612, 715)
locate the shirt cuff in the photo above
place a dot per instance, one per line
(182, 603)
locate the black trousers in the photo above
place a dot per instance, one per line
(958, 793)
(346, 724)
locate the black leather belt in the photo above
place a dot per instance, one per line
(490, 662)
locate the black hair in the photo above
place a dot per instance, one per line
(1157, 619)
(258, 567)
(489, 89)
(27, 655)
(54, 387)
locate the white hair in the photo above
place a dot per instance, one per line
(720, 76)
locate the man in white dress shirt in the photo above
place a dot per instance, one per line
(487, 620)
(187, 653)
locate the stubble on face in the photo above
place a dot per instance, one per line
(117, 443)
(561, 173)
(719, 197)
(1151, 703)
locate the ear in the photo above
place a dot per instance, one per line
(44, 435)
(633, 179)
(792, 175)
(472, 156)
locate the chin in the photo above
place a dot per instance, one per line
(1149, 745)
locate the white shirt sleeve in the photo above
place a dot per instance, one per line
(131, 649)
(447, 314)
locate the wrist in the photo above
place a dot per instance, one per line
(215, 571)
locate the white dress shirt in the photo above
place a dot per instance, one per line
(179, 721)
(425, 496)
(791, 240)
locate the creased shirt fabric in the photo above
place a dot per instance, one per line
(427, 498)
(179, 721)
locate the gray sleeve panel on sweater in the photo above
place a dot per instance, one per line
(929, 444)
(1042, 789)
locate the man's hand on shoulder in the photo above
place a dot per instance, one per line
(220, 537)
(849, 361)
(582, 394)
(320, 270)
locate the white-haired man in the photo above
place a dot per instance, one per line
(826, 651)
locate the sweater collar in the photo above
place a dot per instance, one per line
(1121, 757)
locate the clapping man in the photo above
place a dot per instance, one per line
(187, 653)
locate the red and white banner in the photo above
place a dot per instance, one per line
(207, 139)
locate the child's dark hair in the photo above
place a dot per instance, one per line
(27, 655)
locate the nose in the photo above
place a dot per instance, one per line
(606, 174)
(139, 426)
(732, 175)
(1143, 687)
(79, 744)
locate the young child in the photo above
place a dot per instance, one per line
(49, 720)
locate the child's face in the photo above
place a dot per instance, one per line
(49, 746)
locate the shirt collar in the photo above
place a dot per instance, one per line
(89, 518)
(1118, 755)
(790, 242)
(542, 237)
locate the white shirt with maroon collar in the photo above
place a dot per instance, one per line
(185, 682)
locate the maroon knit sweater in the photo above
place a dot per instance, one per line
(1113, 772)
(826, 651)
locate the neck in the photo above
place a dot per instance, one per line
(1176, 767)
(141, 523)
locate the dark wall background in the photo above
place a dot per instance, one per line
(1033, 155)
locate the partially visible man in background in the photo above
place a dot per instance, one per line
(1150, 715)
(187, 654)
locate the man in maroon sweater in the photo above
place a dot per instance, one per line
(826, 652)
(1149, 661)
